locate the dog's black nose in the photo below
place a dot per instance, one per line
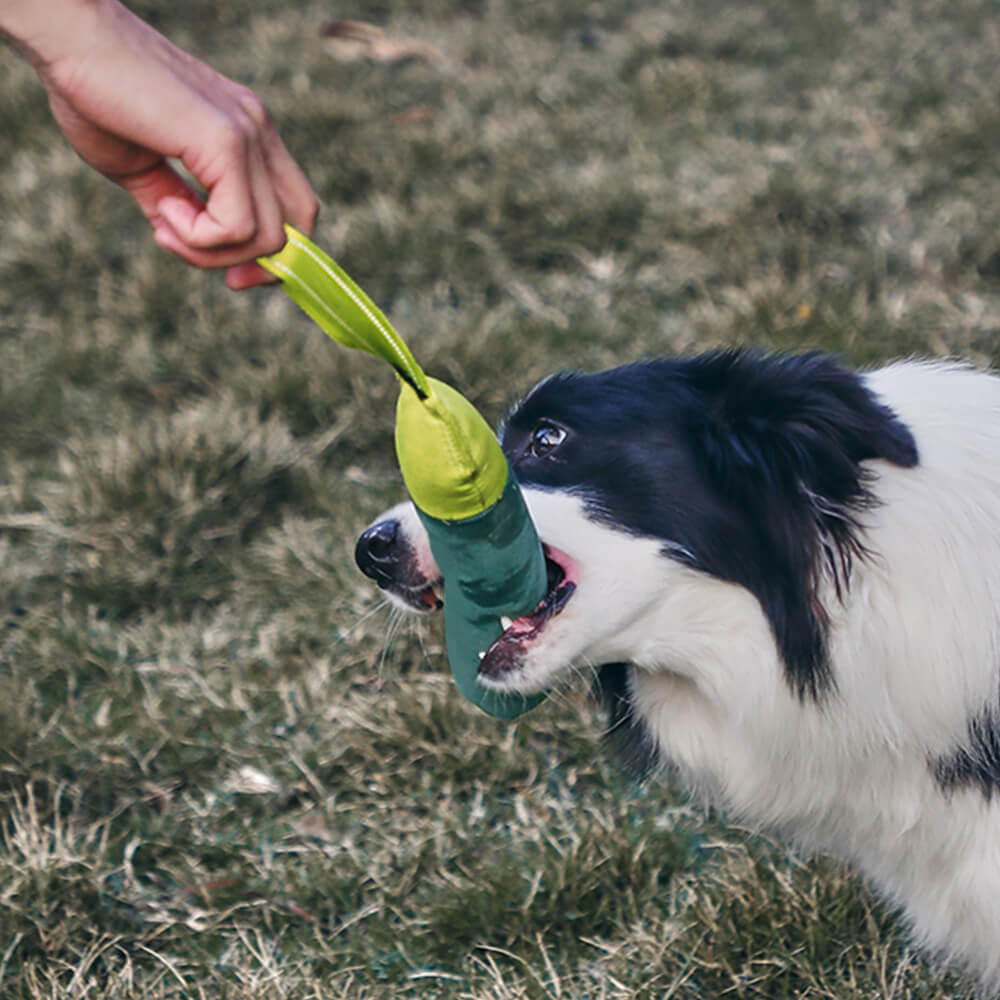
(378, 553)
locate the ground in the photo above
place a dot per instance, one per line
(226, 769)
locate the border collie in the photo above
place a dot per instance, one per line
(785, 576)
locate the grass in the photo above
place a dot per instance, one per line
(226, 770)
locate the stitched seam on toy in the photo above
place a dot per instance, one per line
(373, 319)
(462, 457)
(317, 299)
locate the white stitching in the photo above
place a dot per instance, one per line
(389, 338)
(318, 299)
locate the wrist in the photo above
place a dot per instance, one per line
(45, 30)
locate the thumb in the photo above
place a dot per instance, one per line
(172, 207)
(160, 192)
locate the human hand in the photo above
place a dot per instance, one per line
(128, 99)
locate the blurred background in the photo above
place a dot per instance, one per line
(226, 768)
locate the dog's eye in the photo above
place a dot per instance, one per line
(545, 438)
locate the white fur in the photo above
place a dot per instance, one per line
(915, 650)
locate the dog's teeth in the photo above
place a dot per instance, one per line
(481, 654)
(506, 622)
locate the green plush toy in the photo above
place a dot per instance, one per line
(480, 531)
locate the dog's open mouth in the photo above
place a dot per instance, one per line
(507, 651)
(421, 596)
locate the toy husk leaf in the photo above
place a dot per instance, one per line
(451, 461)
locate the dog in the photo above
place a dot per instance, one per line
(785, 577)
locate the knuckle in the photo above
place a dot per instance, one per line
(255, 116)
(244, 230)
(271, 236)
(302, 214)
(232, 136)
(312, 210)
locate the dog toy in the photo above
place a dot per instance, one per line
(480, 532)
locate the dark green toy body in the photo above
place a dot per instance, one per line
(492, 565)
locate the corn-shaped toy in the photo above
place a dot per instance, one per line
(480, 532)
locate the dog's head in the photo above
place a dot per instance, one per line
(644, 479)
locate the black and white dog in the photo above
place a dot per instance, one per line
(786, 578)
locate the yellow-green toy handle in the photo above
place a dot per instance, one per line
(328, 295)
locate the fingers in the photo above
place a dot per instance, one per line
(298, 202)
(161, 193)
(214, 234)
(245, 276)
(173, 207)
(253, 184)
(242, 212)
(129, 99)
(253, 188)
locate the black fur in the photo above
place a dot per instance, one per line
(747, 467)
(632, 740)
(977, 764)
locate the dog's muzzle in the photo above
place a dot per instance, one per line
(384, 555)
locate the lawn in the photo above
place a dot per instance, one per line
(227, 769)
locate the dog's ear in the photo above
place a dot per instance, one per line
(796, 424)
(781, 440)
